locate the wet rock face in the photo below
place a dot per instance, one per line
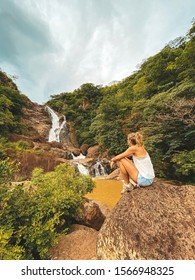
(37, 121)
(155, 222)
(72, 135)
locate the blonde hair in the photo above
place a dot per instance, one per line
(135, 139)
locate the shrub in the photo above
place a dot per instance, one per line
(33, 217)
(184, 163)
(6, 171)
(22, 145)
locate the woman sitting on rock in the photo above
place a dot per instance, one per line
(140, 170)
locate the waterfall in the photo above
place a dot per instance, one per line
(81, 156)
(54, 133)
(98, 169)
(82, 169)
(59, 132)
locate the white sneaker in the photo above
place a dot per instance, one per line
(133, 184)
(126, 188)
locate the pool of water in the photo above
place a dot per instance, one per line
(106, 191)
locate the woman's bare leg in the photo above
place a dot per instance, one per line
(128, 169)
(123, 172)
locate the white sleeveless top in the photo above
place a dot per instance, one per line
(144, 166)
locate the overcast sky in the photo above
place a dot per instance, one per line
(55, 46)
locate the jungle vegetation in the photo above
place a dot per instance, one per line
(157, 99)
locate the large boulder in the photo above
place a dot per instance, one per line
(84, 148)
(90, 215)
(93, 152)
(155, 222)
(79, 244)
(75, 151)
(55, 144)
(56, 152)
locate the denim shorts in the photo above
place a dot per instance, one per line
(143, 182)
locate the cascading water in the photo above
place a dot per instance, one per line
(82, 169)
(81, 156)
(98, 169)
(59, 131)
(54, 133)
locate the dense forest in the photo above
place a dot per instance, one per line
(11, 104)
(158, 99)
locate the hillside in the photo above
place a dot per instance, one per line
(11, 104)
(157, 99)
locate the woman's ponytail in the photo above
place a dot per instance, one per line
(139, 139)
(135, 139)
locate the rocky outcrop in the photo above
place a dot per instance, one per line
(75, 151)
(79, 244)
(156, 222)
(93, 152)
(13, 137)
(103, 208)
(84, 149)
(90, 215)
(55, 144)
(58, 153)
(27, 161)
(72, 135)
(37, 121)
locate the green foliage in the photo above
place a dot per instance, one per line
(184, 164)
(22, 145)
(158, 99)
(6, 171)
(107, 127)
(8, 148)
(79, 106)
(3, 153)
(11, 104)
(32, 217)
(9, 251)
(7, 81)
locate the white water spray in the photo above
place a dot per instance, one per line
(82, 169)
(54, 133)
(81, 156)
(57, 131)
(98, 169)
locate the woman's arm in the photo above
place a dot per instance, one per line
(129, 152)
